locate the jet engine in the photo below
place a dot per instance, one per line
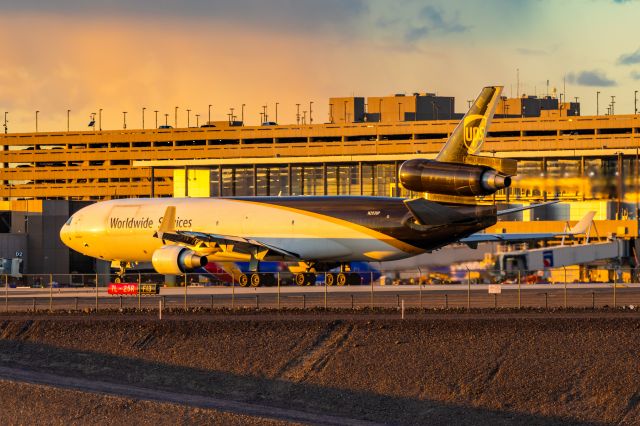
(173, 260)
(451, 178)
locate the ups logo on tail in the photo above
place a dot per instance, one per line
(475, 126)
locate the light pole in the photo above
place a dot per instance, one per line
(276, 112)
(311, 112)
(331, 113)
(175, 118)
(298, 114)
(209, 122)
(242, 115)
(597, 103)
(264, 113)
(100, 119)
(143, 108)
(124, 119)
(156, 111)
(166, 119)
(188, 117)
(197, 120)
(635, 102)
(68, 112)
(37, 112)
(613, 102)
(232, 119)
(5, 122)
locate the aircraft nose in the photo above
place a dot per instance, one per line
(66, 231)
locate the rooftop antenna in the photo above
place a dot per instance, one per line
(547, 87)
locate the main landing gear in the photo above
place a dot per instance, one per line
(342, 278)
(257, 279)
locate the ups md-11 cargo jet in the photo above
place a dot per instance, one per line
(180, 235)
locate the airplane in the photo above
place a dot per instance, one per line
(182, 235)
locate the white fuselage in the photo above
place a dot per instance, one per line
(123, 230)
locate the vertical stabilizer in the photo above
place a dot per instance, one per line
(468, 136)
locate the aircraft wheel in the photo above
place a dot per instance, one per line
(256, 280)
(341, 279)
(243, 280)
(301, 279)
(117, 280)
(330, 279)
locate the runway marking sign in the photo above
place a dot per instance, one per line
(495, 289)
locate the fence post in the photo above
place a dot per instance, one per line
(371, 290)
(160, 309)
(495, 301)
(50, 292)
(398, 301)
(468, 288)
(402, 308)
(446, 301)
(96, 292)
(185, 291)
(139, 291)
(278, 278)
(212, 303)
(565, 286)
(325, 290)
(233, 292)
(352, 305)
(593, 300)
(76, 306)
(615, 284)
(257, 301)
(546, 301)
(304, 301)
(34, 304)
(6, 293)
(519, 294)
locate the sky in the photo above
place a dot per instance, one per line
(125, 55)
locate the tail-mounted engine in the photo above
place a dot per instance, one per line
(174, 260)
(451, 178)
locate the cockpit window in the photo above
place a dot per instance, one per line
(68, 222)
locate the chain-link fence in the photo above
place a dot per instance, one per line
(473, 289)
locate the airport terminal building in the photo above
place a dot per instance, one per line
(588, 162)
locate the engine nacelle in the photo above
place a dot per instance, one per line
(174, 260)
(451, 178)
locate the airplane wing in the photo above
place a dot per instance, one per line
(579, 228)
(210, 242)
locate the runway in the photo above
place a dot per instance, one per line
(349, 297)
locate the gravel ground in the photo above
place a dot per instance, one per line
(497, 369)
(35, 404)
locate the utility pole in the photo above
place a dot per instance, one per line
(197, 120)
(124, 119)
(310, 112)
(100, 119)
(5, 122)
(37, 112)
(188, 117)
(264, 113)
(242, 113)
(276, 112)
(143, 109)
(166, 120)
(156, 111)
(635, 102)
(175, 121)
(597, 103)
(298, 114)
(68, 112)
(209, 120)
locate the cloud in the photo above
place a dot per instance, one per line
(630, 59)
(621, 1)
(281, 14)
(635, 75)
(433, 21)
(590, 78)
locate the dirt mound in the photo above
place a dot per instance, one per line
(533, 370)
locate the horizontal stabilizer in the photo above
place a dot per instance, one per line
(430, 213)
